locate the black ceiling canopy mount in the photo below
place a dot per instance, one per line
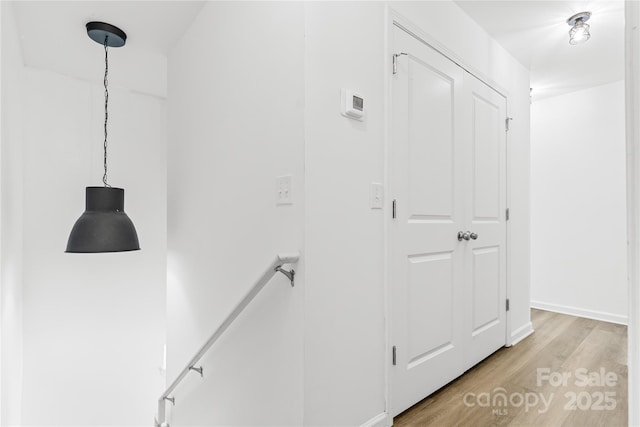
(99, 31)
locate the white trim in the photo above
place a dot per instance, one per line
(508, 235)
(580, 312)
(414, 30)
(1, 287)
(521, 333)
(387, 25)
(380, 420)
(632, 104)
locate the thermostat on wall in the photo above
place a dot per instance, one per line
(352, 105)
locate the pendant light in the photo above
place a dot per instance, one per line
(579, 32)
(104, 226)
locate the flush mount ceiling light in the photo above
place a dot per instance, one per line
(104, 226)
(579, 32)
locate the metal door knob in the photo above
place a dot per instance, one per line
(464, 235)
(474, 236)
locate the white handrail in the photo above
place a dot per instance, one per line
(276, 266)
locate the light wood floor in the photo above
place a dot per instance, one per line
(562, 344)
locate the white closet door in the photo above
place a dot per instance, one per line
(485, 264)
(447, 295)
(427, 183)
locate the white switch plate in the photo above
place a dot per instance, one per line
(283, 190)
(376, 195)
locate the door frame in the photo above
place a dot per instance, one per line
(632, 107)
(395, 19)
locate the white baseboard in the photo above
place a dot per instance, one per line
(580, 312)
(380, 420)
(521, 333)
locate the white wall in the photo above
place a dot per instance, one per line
(322, 346)
(345, 330)
(93, 324)
(11, 221)
(236, 104)
(344, 241)
(578, 203)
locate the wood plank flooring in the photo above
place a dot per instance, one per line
(571, 372)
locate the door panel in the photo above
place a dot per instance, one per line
(487, 119)
(487, 331)
(431, 179)
(431, 288)
(426, 262)
(486, 289)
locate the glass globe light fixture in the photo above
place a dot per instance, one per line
(579, 32)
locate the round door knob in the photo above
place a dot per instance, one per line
(463, 235)
(474, 236)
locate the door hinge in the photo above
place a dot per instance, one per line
(506, 122)
(393, 355)
(507, 304)
(507, 214)
(393, 209)
(395, 61)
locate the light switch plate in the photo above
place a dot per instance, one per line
(283, 190)
(376, 195)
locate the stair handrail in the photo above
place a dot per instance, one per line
(274, 267)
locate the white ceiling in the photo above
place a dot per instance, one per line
(53, 35)
(536, 34)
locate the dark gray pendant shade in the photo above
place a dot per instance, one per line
(103, 227)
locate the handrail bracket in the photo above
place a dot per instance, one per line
(199, 370)
(290, 274)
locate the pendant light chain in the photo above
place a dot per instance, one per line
(106, 107)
